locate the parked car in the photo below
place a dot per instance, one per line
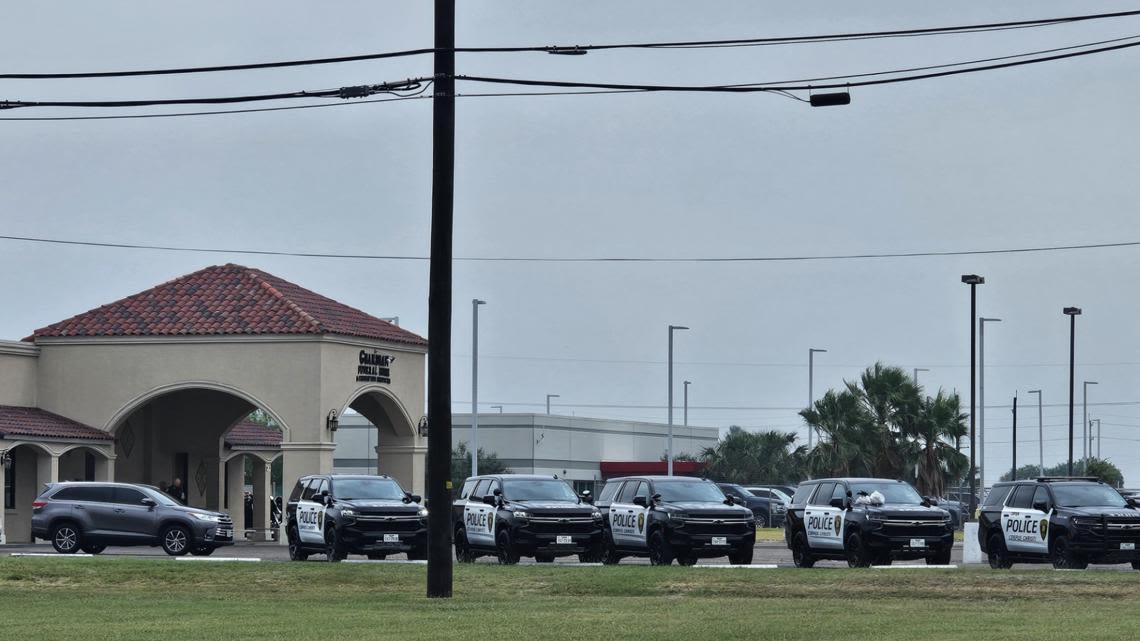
(339, 514)
(866, 522)
(958, 511)
(669, 518)
(769, 492)
(85, 516)
(769, 512)
(516, 515)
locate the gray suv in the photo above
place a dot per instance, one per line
(90, 516)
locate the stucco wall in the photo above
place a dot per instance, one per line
(18, 366)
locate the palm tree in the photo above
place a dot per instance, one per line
(754, 457)
(934, 435)
(840, 419)
(891, 402)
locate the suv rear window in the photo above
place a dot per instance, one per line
(802, 493)
(609, 491)
(90, 493)
(468, 485)
(997, 496)
(1022, 498)
(128, 496)
(823, 494)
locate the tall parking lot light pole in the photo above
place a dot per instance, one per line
(669, 450)
(1085, 447)
(475, 303)
(1098, 438)
(982, 397)
(973, 280)
(915, 375)
(1040, 433)
(1072, 313)
(811, 385)
(686, 415)
(548, 397)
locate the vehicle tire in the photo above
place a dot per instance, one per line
(610, 554)
(1136, 565)
(462, 548)
(66, 538)
(296, 552)
(93, 549)
(176, 540)
(684, 557)
(742, 555)
(941, 557)
(334, 551)
(801, 554)
(204, 550)
(882, 557)
(377, 557)
(595, 555)
(1063, 557)
(762, 519)
(660, 552)
(858, 556)
(997, 554)
(544, 558)
(505, 549)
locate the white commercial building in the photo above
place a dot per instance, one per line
(583, 450)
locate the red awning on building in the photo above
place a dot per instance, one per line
(611, 469)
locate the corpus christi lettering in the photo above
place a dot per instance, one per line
(374, 367)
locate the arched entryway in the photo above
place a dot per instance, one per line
(389, 444)
(29, 466)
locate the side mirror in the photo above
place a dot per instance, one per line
(149, 502)
(641, 500)
(587, 497)
(838, 503)
(497, 492)
(415, 498)
(1133, 502)
(1041, 506)
(730, 499)
(491, 499)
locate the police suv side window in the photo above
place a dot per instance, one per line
(493, 486)
(629, 492)
(823, 494)
(840, 491)
(997, 496)
(1040, 496)
(1022, 498)
(480, 490)
(468, 485)
(802, 493)
(297, 489)
(307, 494)
(322, 487)
(609, 491)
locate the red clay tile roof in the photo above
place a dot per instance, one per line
(250, 434)
(227, 300)
(32, 422)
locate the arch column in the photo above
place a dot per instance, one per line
(105, 468)
(3, 499)
(235, 496)
(47, 470)
(262, 488)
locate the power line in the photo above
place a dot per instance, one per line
(572, 49)
(546, 259)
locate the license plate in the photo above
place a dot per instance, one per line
(1127, 546)
(226, 533)
(720, 540)
(391, 538)
(918, 543)
(564, 540)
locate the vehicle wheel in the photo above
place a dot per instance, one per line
(176, 540)
(296, 552)
(595, 555)
(883, 557)
(742, 555)
(417, 555)
(205, 550)
(763, 520)
(462, 549)
(996, 552)
(610, 554)
(505, 549)
(334, 551)
(660, 552)
(377, 557)
(1136, 565)
(93, 549)
(684, 557)
(66, 538)
(801, 554)
(544, 558)
(1063, 556)
(858, 556)
(941, 557)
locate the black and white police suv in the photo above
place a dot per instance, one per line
(1069, 522)
(674, 517)
(515, 515)
(338, 515)
(865, 522)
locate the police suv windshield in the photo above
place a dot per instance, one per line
(695, 491)
(370, 489)
(1088, 495)
(538, 490)
(896, 493)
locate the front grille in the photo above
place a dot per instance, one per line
(717, 526)
(556, 526)
(913, 528)
(376, 523)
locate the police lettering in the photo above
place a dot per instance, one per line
(826, 523)
(625, 520)
(476, 520)
(1027, 526)
(307, 518)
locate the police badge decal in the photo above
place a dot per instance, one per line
(640, 523)
(838, 524)
(1044, 529)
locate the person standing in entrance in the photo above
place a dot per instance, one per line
(177, 491)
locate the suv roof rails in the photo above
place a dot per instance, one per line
(1048, 479)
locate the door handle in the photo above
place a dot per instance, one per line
(80, 507)
(119, 510)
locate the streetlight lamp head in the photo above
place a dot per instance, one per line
(973, 279)
(1034, 391)
(1091, 383)
(672, 327)
(1072, 311)
(816, 351)
(831, 99)
(476, 301)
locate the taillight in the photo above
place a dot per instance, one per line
(37, 504)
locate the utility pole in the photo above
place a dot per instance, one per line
(686, 417)
(1098, 438)
(475, 303)
(439, 569)
(1014, 477)
(1085, 447)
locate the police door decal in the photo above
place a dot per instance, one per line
(479, 522)
(1026, 530)
(824, 527)
(311, 521)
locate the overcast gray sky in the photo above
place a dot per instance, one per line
(1041, 155)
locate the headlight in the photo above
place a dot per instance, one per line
(878, 518)
(347, 512)
(676, 516)
(423, 512)
(212, 518)
(1085, 521)
(597, 516)
(521, 515)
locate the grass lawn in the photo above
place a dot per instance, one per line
(95, 599)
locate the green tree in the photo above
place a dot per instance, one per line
(1099, 468)
(754, 457)
(934, 434)
(489, 463)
